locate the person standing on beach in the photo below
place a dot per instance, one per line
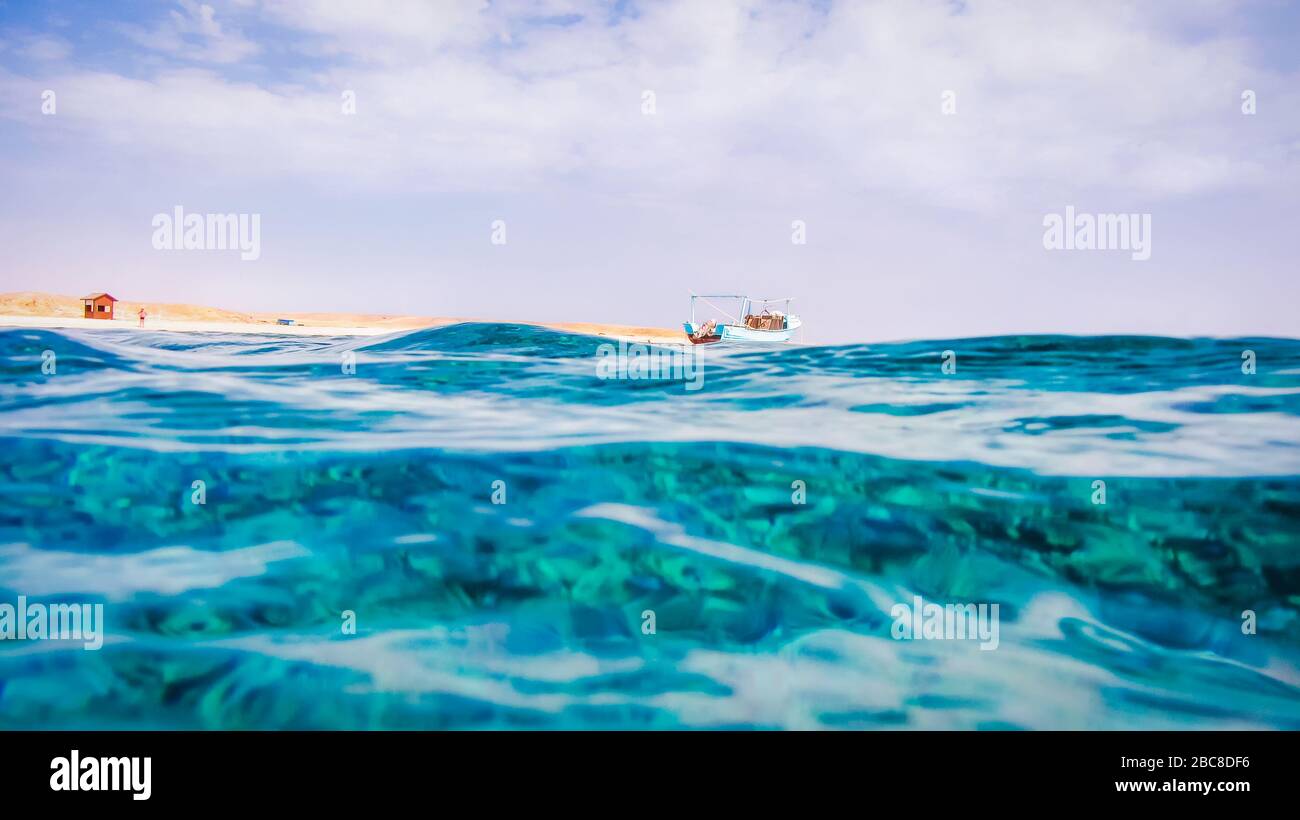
(142, 315)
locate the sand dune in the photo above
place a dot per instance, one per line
(36, 309)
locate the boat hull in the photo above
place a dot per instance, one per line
(739, 333)
(736, 333)
(703, 340)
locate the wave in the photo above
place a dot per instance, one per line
(498, 518)
(1059, 405)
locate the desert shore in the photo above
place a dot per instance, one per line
(45, 310)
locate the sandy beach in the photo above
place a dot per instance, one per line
(46, 310)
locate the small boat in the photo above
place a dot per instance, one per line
(755, 321)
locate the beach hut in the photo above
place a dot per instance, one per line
(98, 306)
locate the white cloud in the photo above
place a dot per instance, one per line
(46, 49)
(192, 31)
(754, 101)
(383, 31)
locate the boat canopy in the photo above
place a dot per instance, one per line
(746, 304)
(739, 296)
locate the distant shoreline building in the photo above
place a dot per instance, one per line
(98, 306)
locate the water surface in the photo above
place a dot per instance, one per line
(770, 520)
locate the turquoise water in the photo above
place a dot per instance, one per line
(372, 493)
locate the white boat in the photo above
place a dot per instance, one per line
(755, 321)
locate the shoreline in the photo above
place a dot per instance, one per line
(40, 309)
(343, 328)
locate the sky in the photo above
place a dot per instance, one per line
(634, 152)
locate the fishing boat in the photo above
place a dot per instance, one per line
(754, 321)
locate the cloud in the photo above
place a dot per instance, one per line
(382, 31)
(192, 32)
(46, 49)
(753, 101)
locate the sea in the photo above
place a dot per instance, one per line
(478, 527)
